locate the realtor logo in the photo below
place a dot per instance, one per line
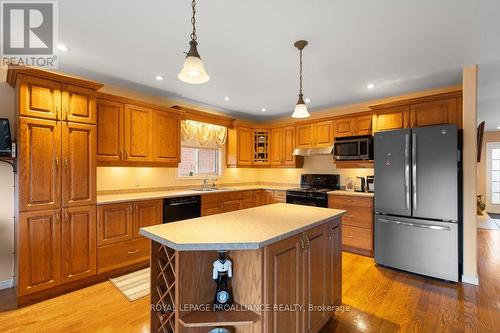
(29, 32)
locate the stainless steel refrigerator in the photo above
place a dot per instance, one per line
(416, 200)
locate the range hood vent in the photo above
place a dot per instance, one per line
(313, 151)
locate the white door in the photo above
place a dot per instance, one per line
(493, 177)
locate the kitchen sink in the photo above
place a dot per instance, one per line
(209, 189)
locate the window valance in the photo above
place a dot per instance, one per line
(202, 135)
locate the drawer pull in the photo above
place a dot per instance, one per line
(132, 252)
(348, 215)
(349, 236)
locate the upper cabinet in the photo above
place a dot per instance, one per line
(318, 134)
(48, 99)
(239, 147)
(282, 146)
(417, 112)
(130, 134)
(354, 125)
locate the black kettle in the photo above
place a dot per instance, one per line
(360, 184)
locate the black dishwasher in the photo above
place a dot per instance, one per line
(181, 208)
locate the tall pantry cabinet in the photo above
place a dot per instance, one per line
(56, 179)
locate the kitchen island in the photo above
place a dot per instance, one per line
(286, 270)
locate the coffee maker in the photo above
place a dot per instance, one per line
(359, 184)
(370, 183)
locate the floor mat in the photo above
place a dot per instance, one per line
(134, 285)
(485, 221)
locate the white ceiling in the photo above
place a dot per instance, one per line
(247, 48)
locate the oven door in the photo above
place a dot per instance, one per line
(305, 200)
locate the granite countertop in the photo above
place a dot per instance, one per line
(356, 194)
(246, 229)
(136, 196)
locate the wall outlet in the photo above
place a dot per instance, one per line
(137, 181)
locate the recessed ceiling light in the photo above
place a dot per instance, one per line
(498, 127)
(226, 98)
(159, 77)
(62, 47)
(308, 100)
(263, 109)
(370, 85)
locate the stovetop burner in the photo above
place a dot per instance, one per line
(310, 189)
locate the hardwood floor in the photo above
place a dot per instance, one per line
(380, 300)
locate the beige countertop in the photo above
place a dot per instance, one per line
(245, 229)
(136, 196)
(353, 193)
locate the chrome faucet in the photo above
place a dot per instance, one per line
(213, 182)
(205, 183)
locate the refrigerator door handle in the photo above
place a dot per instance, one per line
(414, 169)
(407, 171)
(416, 225)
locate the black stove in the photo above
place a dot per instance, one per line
(313, 190)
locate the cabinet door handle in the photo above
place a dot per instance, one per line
(66, 215)
(126, 155)
(130, 208)
(132, 252)
(65, 162)
(66, 113)
(57, 217)
(57, 112)
(302, 246)
(57, 162)
(120, 154)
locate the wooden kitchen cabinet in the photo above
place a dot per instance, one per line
(138, 134)
(334, 268)
(147, 213)
(282, 147)
(78, 164)
(110, 128)
(166, 138)
(363, 124)
(78, 243)
(239, 147)
(357, 223)
(434, 113)
(39, 160)
(284, 277)
(430, 110)
(392, 118)
(343, 127)
(231, 205)
(39, 251)
(276, 155)
(319, 134)
(114, 223)
(314, 268)
(303, 269)
(39, 97)
(79, 104)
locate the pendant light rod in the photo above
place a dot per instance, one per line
(300, 108)
(300, 45)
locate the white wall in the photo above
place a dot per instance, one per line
(6, 190)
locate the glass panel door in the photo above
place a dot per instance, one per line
(493, 178)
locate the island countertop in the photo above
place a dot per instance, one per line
(246, 229)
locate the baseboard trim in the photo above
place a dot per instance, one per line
(470, 280)
(6, 284)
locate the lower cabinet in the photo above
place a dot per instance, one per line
(216, 203)
(357, 230)
(78, 243)
(304, 270)
(119, 242)
(55, 247)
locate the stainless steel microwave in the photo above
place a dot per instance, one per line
(355, 148)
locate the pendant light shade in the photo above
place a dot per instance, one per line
(193, 70)
(300, 108)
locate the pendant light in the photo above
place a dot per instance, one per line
(300, 108)
(193, 70)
